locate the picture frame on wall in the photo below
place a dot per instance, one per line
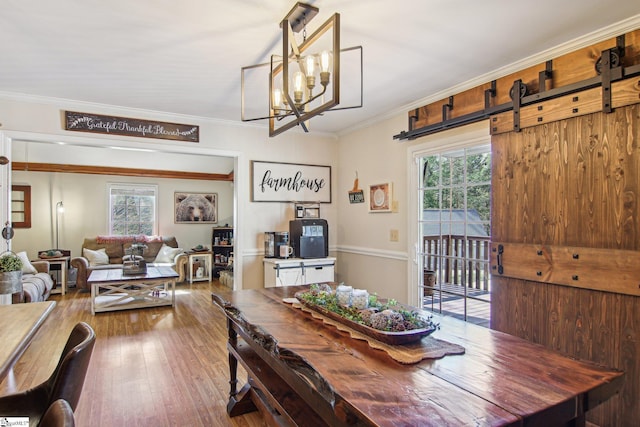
(195, 208)
(290, 182)
(381, 197)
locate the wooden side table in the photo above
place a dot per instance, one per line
(63, 263)
(206, 257)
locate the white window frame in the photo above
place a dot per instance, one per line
(463, 137)
(132, 187)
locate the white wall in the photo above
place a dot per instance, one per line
(368, 259)
(41, 119)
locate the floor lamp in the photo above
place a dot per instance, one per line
(59, 210)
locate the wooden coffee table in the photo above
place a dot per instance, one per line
(111, 290)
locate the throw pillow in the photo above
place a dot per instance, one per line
(167, 254)
(27, 267)
(98, 257)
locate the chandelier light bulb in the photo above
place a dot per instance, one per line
(298, 85)
(325, 64)
(310, 65)
(325, 61)
(277, 100)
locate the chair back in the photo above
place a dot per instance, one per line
(59, 414)
(67, 380)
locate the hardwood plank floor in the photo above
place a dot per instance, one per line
(150, 367)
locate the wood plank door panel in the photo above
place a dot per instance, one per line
(573, 185)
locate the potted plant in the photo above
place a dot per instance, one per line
(10, 273)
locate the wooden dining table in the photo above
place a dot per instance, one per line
(303, 371)
(19, 323)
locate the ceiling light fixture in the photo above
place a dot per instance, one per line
(305, 80)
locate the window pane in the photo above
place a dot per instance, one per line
(457, 170)
(479, 201)
(133, 228)
(431, 199)
(479, 168)
(430, 171)
(146, 213)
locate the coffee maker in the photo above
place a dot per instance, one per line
(309, 238)
(273, 241)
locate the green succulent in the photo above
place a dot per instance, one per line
(10, 262)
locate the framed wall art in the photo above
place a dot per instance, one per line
(193, 208)
(290, 182)
(380, 197)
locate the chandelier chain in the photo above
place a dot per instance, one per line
(304, 27)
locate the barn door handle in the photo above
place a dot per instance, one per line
(499, 259)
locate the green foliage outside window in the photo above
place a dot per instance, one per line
(458, 181)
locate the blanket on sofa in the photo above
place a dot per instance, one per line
(36, 287)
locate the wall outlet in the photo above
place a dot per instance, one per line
(393, 235)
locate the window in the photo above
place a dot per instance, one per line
(133, 209)
(455, 192)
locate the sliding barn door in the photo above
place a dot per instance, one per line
(566, 244)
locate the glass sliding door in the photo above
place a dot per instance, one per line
(454, 227)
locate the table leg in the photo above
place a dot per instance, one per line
(173, 293)
(239, 402)
(233, 362)
(63, 277)
(93, 298)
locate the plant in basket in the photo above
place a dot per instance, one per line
(387, 321)
(10, 273)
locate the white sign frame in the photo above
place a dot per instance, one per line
(290, 182)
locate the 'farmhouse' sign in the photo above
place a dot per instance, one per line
(290, 182)
(84, 122)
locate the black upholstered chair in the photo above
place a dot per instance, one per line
(65, 383)
(59, 414)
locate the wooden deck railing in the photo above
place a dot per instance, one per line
(458, 261)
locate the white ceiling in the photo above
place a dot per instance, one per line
(185, 56)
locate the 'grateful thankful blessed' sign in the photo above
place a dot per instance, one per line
(290, 182)
(83, 122)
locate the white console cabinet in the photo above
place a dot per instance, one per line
(298, 271)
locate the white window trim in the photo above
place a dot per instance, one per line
(463, 137)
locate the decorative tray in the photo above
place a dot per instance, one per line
(45, 255)
(387, 337)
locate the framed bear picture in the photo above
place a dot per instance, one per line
(195, 208)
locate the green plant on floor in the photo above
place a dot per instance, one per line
(10, 262)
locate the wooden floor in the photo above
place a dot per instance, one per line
(150, 367)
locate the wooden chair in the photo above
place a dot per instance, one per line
(59, 414)
(65, 382)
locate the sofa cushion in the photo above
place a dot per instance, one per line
(98, 257)
(167, 254)
(27, 268)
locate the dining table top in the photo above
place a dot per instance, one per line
(19, 323)
(499, 379)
